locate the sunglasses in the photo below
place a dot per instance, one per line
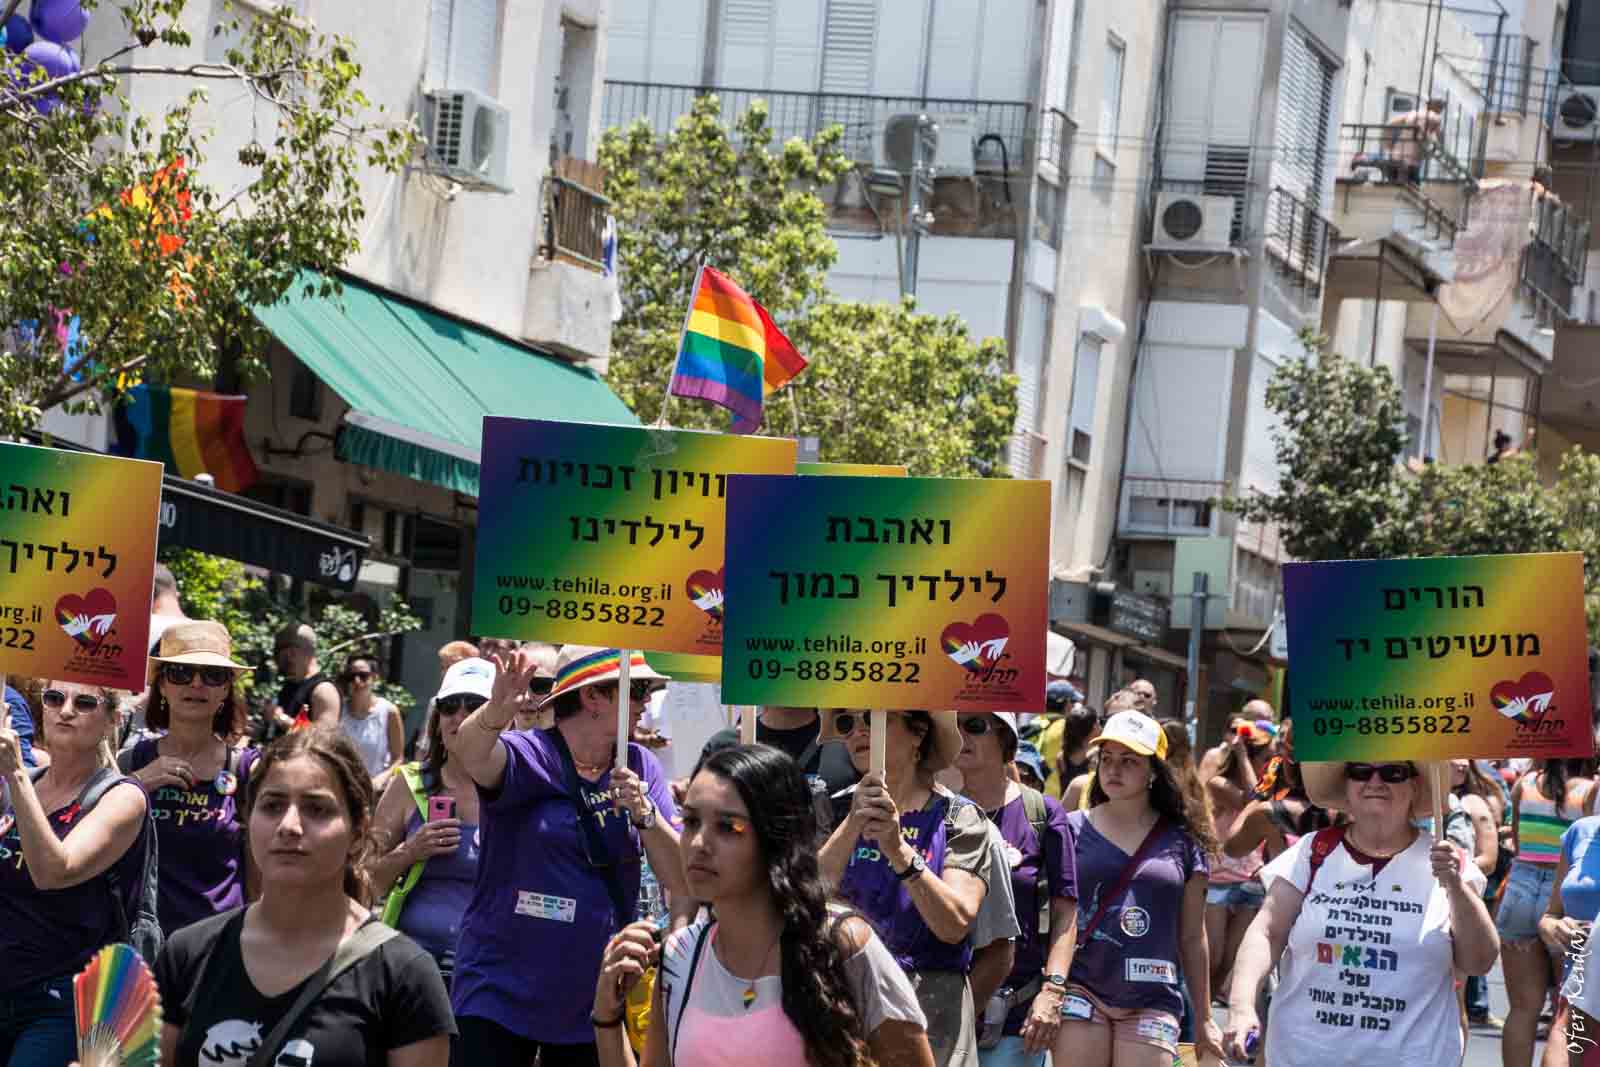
(541, 686)
(977, 726)
(456, 705)
(183, 674)
(844, 722)
(638, 692)
(1393, 773)
(55, 698)
(359, 676)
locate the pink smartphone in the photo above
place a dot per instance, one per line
(439, 808)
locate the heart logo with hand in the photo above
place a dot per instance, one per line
(705, 589)
(1526, 699)
(977, 645)
(87, 619)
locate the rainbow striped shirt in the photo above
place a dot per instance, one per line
(1539, 829)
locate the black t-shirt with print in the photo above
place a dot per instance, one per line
(829, 760)
(392, 998)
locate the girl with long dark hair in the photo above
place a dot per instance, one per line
(1142, 858)
(774, 973)
(425, 859)
(194, 773)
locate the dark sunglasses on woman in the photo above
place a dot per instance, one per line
(359, 676)
(638, 692)
(1393, 773)
(540, 687)
(55, 698)
(183, 674)
(454, 705)
(844, 722)
(978, 725)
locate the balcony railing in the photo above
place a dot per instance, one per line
(574, 217)
(1399, 153)
(1555, 262)
(999, 130)
(1170, 507)
(1298, 238)
(1507, 79)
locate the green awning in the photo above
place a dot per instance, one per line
(419, 382)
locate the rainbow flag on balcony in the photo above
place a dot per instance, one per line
(190, 431)
(732, 353)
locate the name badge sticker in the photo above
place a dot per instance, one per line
(545, 906)
(1074, 1006)
(1162, 972)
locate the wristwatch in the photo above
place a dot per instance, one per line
(646, 821)
(913, 869)
(1059, 981)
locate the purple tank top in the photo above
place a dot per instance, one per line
(202, 836)
(435, 905)
(47, 934)
(870, 885)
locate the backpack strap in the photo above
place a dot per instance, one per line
(1039, 818)
(368, 938)
(1322, 845)
(395, 902)
(688, 985)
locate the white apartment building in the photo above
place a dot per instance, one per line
(477, 290)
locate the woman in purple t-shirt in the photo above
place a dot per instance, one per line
(194, 774)
(563, 836)
(57, 866)
(1142, 864)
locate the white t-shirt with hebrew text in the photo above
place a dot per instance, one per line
(1368, 966)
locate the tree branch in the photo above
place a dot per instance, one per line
(104, 71)
(61, 396)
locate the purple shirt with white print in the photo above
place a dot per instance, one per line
(1131, 960)
(540, 916)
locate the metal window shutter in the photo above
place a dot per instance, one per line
(1058, 62)
(438, 75)
(744, 53)
(1305, 99)
(1111, 99)
(797, 46)
(474, 29)
(849, 44)
(1006, 30)
(955, 47)
(1031, 339)
(628, 41)
(1214, 81)
(1085, 385)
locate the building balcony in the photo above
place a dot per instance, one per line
(982, 166)
(1169, 507)
(569, 295)
(1520, 99)
(1298, 240)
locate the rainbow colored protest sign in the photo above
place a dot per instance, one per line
(77, 556)
(1453, 657)
(608, 535)
(887, 593)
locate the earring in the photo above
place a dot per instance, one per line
(1150, 783)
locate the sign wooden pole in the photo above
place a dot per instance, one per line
(747, 724)
(624, 706)
(880, 741)
(1436, 774)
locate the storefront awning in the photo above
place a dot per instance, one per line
(419, 381)
(225, 524)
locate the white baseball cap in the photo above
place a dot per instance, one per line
(1009, 719)
(1137, 730)
(473, 677)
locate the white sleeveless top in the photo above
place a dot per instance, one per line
(371, 734)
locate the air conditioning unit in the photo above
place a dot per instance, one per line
(1577, 116)
(894, 147)
(469, 138)
(1192, 222)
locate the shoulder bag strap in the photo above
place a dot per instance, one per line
(355, 948)
(1322, 845)
(1039, 819)
(587, 825)
(1123, 879)
(394, 903)
(688, 984)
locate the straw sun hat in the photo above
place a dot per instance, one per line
(1325, 785)
(200, 644)
(946, 735)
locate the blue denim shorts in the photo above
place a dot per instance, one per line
(1522, 902)
(1235, 895)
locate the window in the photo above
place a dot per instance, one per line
(1085, 385)
(1111, 102)
(463, 43)
(305, 394)
(1058, 83)
(1305, 108)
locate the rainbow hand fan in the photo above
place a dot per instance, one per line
(119, 1011)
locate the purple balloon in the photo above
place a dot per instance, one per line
(60, 21)
(57, 60)
(19, 32)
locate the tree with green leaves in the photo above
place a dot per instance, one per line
(1345, 491)
(886, 384)
(107, 223)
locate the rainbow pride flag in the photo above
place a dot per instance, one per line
(732, 353)
(190, 431)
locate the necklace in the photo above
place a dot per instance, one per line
(750, 990)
